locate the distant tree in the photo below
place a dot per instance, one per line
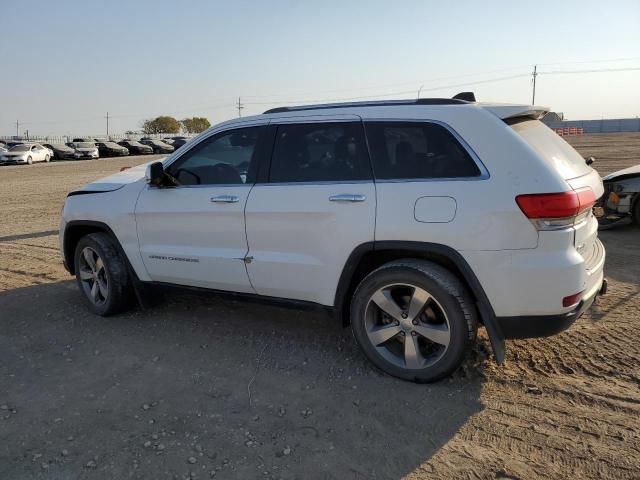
(162, 124)
(195, 124)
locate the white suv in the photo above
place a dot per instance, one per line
(411, 220)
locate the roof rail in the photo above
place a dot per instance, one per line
(377, 103)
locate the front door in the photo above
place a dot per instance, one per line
(317, 205)
(194, 233)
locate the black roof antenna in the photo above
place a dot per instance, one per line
(466, 96)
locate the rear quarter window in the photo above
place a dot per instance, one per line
(417, 150)
(552, 148)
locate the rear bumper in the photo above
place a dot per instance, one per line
(547, 325)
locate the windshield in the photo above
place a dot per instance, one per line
(20, 148)
(134, 143)
(112, 145)
(552, 148)
(85, 145)
(59, 146)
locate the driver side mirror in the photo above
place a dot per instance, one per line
(154, 174)
(590, 160)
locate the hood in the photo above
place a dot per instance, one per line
(115, 181)
(622, 174)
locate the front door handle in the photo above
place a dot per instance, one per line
(347, 197)
(225, 199)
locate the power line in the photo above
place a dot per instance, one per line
(241, 105)
(416, 82)
(562, 72)
(627, 59)
(390, 94)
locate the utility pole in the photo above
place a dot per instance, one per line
(107, 117)
(240, 107)
(17, 128)
(534, 74)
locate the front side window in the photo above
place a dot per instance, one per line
(224, 159)
(405, 150)
(319, 152)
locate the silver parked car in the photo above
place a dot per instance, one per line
(84, 150)
(26, 153)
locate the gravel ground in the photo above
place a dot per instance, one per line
(204, 386)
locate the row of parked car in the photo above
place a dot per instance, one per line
(20, 151)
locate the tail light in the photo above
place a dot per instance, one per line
(555, 211)
(124, 168)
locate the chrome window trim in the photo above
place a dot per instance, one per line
(484, 173)
(323, 182)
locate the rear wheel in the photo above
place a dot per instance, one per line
(29, 161)
(413, 319)
(101, 274)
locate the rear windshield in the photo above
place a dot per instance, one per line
(550, 146)
(85, 145)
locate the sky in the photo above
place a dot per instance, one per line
(66, 64)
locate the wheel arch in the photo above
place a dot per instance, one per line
(369, 256)
(75, 230)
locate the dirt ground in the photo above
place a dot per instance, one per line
(205, 386)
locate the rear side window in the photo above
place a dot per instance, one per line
(319, 152)
(552, 148)
(405, 150)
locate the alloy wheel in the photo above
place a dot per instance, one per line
(407, 326)
(93, 276)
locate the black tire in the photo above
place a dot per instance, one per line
(29, 161)
(46, 158)
(115, 274)
(451, 298)
(636, 210)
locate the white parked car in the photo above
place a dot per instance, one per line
(413, 221)
(26, 153)
(84, 150)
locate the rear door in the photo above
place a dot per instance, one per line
(316, 204)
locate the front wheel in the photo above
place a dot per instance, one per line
(29, 161)
(102, 275)
(46, 158)
(414, 320)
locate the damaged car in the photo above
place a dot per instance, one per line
(620, 203)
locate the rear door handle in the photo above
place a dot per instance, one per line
(225, 199)
(347, 197)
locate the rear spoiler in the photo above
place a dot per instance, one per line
(511, 113)
(507, 112)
